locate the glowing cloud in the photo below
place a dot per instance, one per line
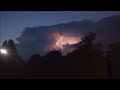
(64, 39)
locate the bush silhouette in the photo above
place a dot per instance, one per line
(54, 54)
(34, 58)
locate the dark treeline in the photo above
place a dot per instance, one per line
(87, 61)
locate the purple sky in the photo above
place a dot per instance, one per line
(14, 22)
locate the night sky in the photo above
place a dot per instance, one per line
(14, 22)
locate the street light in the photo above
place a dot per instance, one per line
(3, 51)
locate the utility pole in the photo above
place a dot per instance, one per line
(0, 37)
(0, 33)
(109, 68)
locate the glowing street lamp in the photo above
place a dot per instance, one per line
(3, 51)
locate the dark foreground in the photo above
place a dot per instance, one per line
(88, 61)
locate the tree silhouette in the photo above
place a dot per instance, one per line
(87, 40)
(12, 47)
(4, 44)
(88, 59)
(12, 57)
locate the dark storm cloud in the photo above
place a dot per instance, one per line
(13, 22)
(41, 39)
